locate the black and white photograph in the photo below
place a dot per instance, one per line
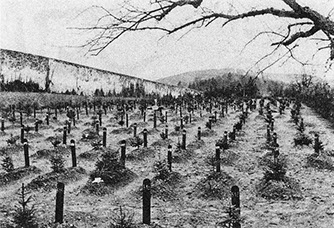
(166, 113)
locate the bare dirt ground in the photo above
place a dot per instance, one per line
(185, 209)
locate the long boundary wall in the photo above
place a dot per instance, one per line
(58, 76)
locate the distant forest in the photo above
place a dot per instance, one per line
(227, 86)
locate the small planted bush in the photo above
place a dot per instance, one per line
(24, 214)
(160, 167)
(302, 139)
(57, 163)
(7, 164)
(123, 219)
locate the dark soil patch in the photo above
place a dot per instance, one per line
(214, 186)
(286, 189)
(95, 153)
(321, 161)
(162, 143)
(12, 149)
(89, 135)
(141, 154)
(16, 174)
(181, 155)
(175, 133)
(119, 179)
(122, 130)
(196, 144)
(47, 153)
(302, 139)
(48, 181)
(208, 133)
(163, 189)
(268, 159)
(226, 158)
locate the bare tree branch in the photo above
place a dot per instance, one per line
(133, 19)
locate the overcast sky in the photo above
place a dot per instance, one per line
(42, 27)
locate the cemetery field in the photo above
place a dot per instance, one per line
(193, 194)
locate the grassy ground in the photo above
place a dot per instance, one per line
(185, 208)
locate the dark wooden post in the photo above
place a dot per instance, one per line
(169, 157)
(166, 131)
(135, 130)
(26, 153)
(97, 128)
(104, 137)
(123, 152)
(60, 203)
(73, 153)
(215, 116)
(268, 134)
(2, 124)
(199, 133)
(147, 201)
(69, 126)
(47, 118)
(100, 117)
(127, 120)
(166, 117)
(236, 204)
(184, 136)
(144, 116)
(217, 158)
(209, 125)
(64, 135)
(181, 122)
(36, 126)
(34, 112)
(78, 116)
(22, 135)
(145, 137)
(105, 109)
(56, 113)
(190, 117)
(316, 144)
(86, 108)
(154, 119)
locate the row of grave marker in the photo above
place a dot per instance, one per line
(146, 203)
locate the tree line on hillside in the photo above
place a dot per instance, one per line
(227, 86)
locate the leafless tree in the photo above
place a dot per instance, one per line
(304, 22)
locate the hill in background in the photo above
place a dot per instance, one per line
(185, 78)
